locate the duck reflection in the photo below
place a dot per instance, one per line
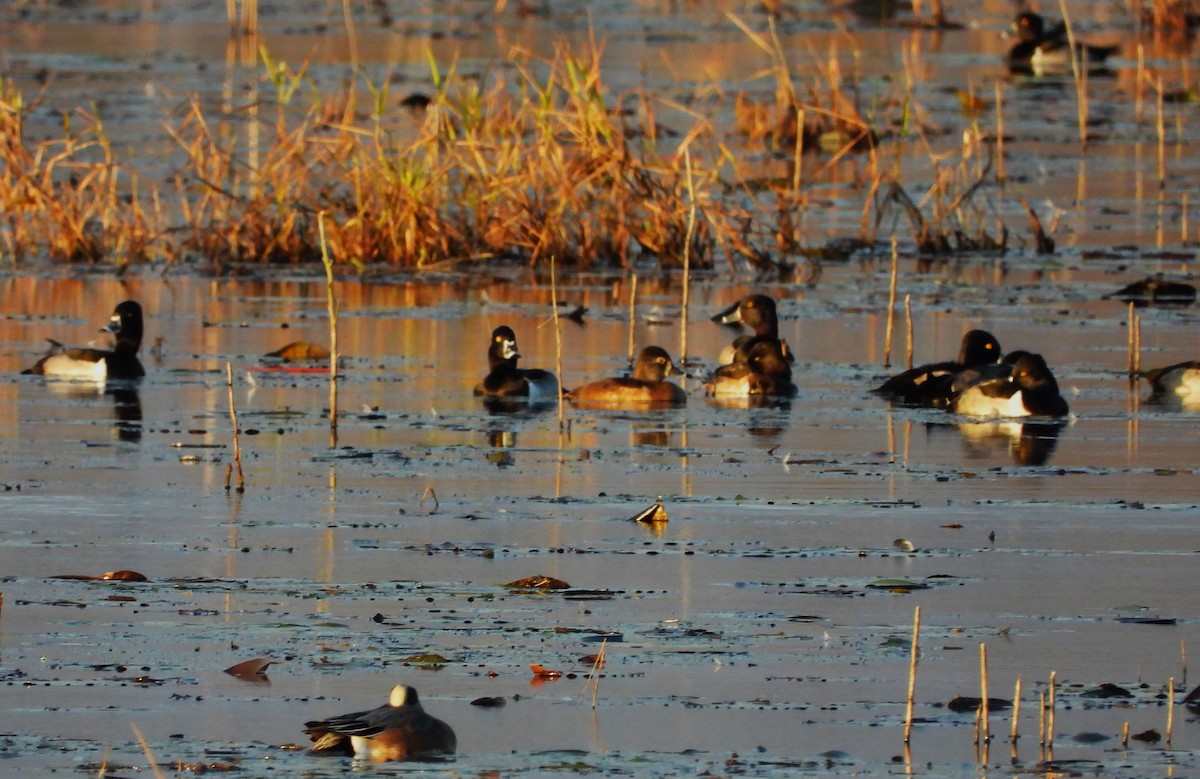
(127, 403)
(1026, 443)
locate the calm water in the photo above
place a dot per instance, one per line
(747, 625)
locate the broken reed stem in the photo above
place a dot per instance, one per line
(237, 444)
(1001, 176)
(1170, 708)
(909, 327)
(985, 733)
(891, 312)
(1078, 74)
(1125, 735)
(331, 305)
(146, 749)
(1183, 219)
(632, 320)
(557, 336)
(1131, 360)
(596, 666)
(1161, 129)
(1042, 720)
(912, 675)
(1140, 82)
(1013, 736)
(1137, 343)
(1182, 654)
(1050, 713)
(687, 256)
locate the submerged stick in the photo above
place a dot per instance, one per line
(912, 675)
(891, 314)
(237, 444)
(331, 305)
(1182, 658)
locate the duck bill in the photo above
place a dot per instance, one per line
(730, 316)
(113, 326)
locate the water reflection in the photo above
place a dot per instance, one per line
(1025, 442)
(127, 403)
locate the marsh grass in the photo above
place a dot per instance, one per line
(537, 159)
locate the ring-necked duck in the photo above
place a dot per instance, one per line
(506, 380)
(930, 385)
(766, 372)
(1041, 50)
(99, 364)
(399, 730)
(648, 386)
(1180, 381)
(1028, 390)
(756, 312)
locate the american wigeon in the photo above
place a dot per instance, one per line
(100, 364)
(399, 730)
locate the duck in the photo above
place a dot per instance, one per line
(1029, 389)
(1040, 50)
(756, 312)
(1180, 381)
(120, 363)
(647, 386)
(399, 730)
(930, 385)
(506, 380)
(765, 373)
(1155, 290)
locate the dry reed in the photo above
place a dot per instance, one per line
(332, 307)
(237, 441)
(912, 675)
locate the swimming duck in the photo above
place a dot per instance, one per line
(930, 385)
(1155, 290)
(100, 364)
(766, 372)
(399, 730)
(1180, 381)
(506, 380)
(756, 312)
(1028, 390)
(1040, 49)
(648, 386)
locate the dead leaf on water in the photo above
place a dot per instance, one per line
(538, 583)
(541, 672)
(655, 513)
(251, 670)
(299, 351)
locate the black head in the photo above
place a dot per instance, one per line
(978, 347)
(1031, 372)
(1029, 26)
(503, 347)
(126, 325)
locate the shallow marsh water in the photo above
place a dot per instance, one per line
(747, 626)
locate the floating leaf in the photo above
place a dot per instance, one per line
(299, 351)
(541, 672)
(429, 658)
(655, 513)
(123, 576)
(251, 670)
(538, 583)
(897, 585)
